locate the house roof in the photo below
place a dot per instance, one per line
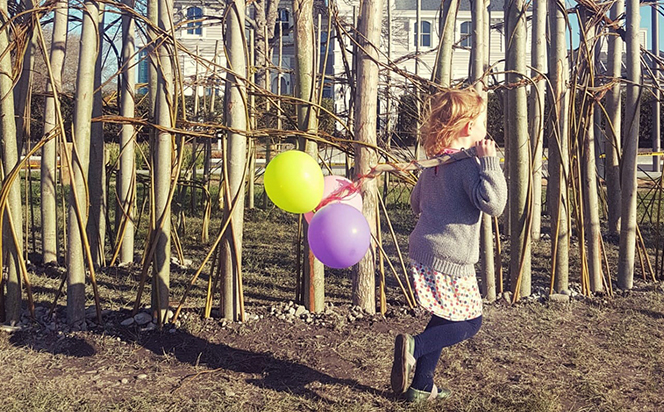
(495, 5)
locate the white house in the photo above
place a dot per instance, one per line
(413, 51)
(200, 32)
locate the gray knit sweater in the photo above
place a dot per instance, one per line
(449, 200)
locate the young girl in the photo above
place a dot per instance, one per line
(444, 246)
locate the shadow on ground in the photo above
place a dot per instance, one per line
(274, 374)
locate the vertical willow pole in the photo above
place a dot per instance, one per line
(307, 119)
(631, 128)
(9, 136)
(193, 201)
(388, 99)
(558, 146)
(153, 76)
(478, 59)
(162, 153)
(80, 164)
(23, 89)
(477, 39)
(537, 95)
(48, 170)
(369, 27)
(96, 225)
(656, 104)
(588, 174)
(419, 153)
(126, 178)
(268, 107)
(235, 158)
(251, 176)
(442, 73)
(519, 144)
(613, 144)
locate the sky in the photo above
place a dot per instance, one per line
(646, 22)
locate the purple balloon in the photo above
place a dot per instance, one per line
(339, 235)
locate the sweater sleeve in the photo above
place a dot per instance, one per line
(488, 191)
(415, 197)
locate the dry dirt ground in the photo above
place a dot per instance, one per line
(591, 354)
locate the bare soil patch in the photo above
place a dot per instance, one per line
(591, 354)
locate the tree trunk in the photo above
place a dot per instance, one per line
(48, 170)
(80, 164)
(443, 71)
(519, 158)
(558, 146)
(631, 127)
(537, 95)
(126, 178)
(235, 157)
(613, 144)
(305, 60)
(369, 26)
(97, 173)
(162, 157)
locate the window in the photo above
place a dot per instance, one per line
(466, 35)
(142, 71)
(143, 66)
(328, 91)
(324, 47)
(425, 37)
(283, 22)
(195, 27)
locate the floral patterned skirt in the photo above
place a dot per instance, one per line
(449, 297)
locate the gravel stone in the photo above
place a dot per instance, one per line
(301, 310)
(143, 318)
(559, 297)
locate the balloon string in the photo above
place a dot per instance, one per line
(355, 187)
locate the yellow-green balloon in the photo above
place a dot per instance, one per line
(294, 182)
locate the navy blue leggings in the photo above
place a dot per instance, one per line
(439, 333)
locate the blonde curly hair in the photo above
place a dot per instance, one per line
(449, 111)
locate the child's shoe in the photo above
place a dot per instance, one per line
(404, 347)
(415, 395)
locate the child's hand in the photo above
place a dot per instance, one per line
(485, 148)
